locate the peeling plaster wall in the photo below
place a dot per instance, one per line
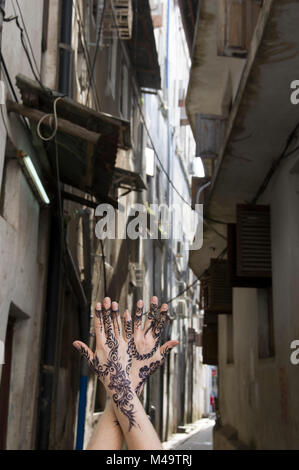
(23, 249)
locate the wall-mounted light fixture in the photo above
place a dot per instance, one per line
(35, 179)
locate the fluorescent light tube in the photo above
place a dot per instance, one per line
(36, 180)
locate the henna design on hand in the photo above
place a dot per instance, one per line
(161, 324)
(138, 317)
(115, 319)
(99, 315)
(119, 382)
(146, 371)
(142, 357)
(152, 317)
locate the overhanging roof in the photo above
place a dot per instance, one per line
(260, 124)
(86, 164)
(142, 47)
(263, 117)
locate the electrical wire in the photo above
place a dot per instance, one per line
(91, 78)
(86, 54)
(16, 19)
(50, 116)
(27, 35)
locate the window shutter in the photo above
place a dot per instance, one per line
(210, 344)
(210, 134)
(238, 281)
(216, 289)
(253, 241)
(237, 22)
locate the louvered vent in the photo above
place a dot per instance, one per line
(216, 290)
(118, 19)
(253, 241)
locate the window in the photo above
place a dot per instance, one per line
(265, 323)
(230, 339)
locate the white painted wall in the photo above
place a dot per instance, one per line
(259, 397)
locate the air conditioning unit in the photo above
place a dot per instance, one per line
(181, 309)
(118, 19)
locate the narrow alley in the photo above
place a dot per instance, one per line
(149, 254)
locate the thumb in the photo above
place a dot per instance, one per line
(85, 351)
(167, 347)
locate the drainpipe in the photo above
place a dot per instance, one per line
(65, 47)
(64, 81)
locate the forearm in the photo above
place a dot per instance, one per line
(108, 433)
(138, 431)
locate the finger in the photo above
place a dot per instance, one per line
(99, 325)
(161, 322)
(151, 316)
(107, 316)
(116, 319)
(138, 316)
(84, 350)
(128, 327)
(167, 347)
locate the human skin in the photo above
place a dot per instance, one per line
(123, 361)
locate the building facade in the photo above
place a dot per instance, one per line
(91, 105)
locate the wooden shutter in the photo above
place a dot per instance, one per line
(236, 25)
(216, 289)
(240, 281)
(253, 241)
(210, 134)
(210, 344)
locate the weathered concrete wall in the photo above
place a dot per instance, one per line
(23, 260)
(258, 397)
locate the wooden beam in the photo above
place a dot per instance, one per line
(63, 125)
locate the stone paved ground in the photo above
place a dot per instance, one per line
(198, 436)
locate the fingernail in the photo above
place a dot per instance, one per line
(98, 306)
(114, 306)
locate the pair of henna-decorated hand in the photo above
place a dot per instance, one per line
(126, 356)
